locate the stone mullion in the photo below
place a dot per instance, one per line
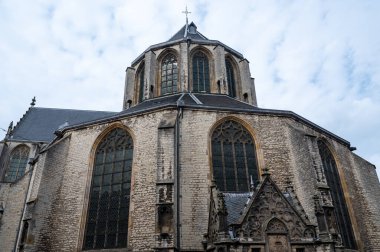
(235, 166)
(223, 165)
(246, 164)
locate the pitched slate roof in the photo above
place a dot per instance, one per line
(191, 32)
(39, 124)
(215, 102)
(235, 203)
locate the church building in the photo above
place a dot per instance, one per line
(191, 163)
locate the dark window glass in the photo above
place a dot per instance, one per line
(230, 79)
(169, 74)
(141, 82)
(340, 207)
(233, 157)
(17, 163)
(107, 219)
(201, 75)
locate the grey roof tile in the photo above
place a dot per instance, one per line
(235, 203)
(39, 124)
(191, 33)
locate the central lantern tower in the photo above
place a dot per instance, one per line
(188, 62)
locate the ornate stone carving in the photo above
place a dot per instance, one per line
(269, 203)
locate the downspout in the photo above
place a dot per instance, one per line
(178, 171)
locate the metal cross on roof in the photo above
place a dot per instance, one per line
(186, 12)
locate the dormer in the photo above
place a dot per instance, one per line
(188, 62)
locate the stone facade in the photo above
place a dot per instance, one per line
(174, 204)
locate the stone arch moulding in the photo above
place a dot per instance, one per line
(211, 63)
(253, 134)
(90, 168)
(158, 66)
(24, 147)
(275, 226)
(346, 193)
(236, 69)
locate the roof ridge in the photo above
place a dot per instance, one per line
(87, 110)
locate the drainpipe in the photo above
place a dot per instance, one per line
(178, 171)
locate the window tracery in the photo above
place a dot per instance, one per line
(201, 73)
(108, 209)
(233, 157)
(17, 163)
(169, 74)
(340, 207)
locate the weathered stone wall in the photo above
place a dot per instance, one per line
(283, 145)
(364, 190)
(12, 197)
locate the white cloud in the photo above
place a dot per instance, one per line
(320, 59)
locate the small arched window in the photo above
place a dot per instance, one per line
(230, 79)
(340, 207)
(169, 74)
(108, 209)
(233, 157)
(140, 75)
(201, 73)
(17, 163)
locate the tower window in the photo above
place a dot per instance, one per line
(340, 207)
(17, 163)
(169, 74)
(108, 209)
(201, 73)
(233, 157)
(230, 79)
(140, 75)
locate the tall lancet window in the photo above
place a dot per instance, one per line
(17, 163)
(233, 157)
(340, 207)
(108, 209)
(140, 75)
(169, 74)
(230, 79)
(201, 73)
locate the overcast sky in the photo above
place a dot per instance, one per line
(320, 59)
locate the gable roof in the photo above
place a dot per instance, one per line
(39, 124)
(188, 31)
(283, 197)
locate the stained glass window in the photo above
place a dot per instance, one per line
(340, 207)
(233, 157)
(201, 75)
(141, 82)
(17, 163)
(108, 209)
(230, 79)
(169, 74)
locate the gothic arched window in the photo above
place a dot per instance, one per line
(201, 73)
(17, 163)
(233, 157)
(230, 79)
(169, 74)
(340, 207)
(108, 209)
(140, 75)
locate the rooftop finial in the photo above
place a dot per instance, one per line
(186, 12)
(33, 102)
